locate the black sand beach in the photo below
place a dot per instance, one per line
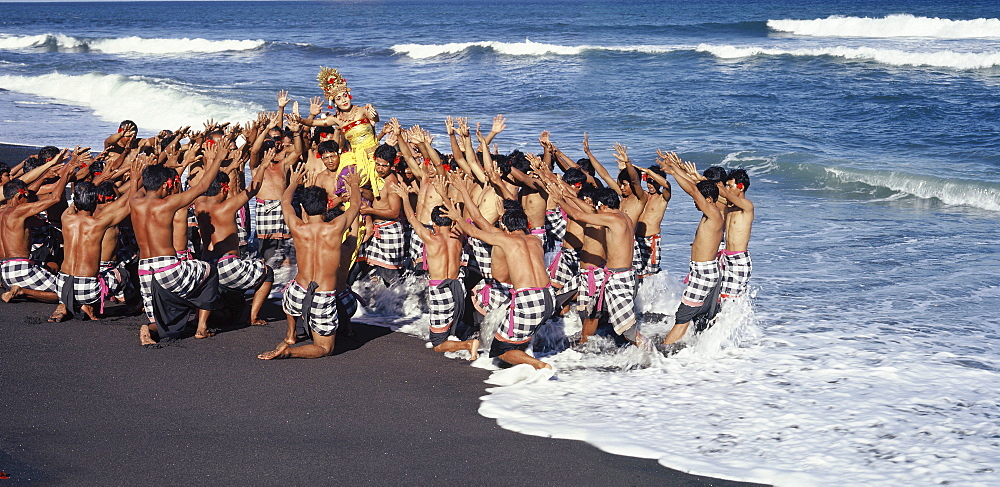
(83, 403)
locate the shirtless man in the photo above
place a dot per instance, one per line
(647, 229)
(619, 281)
(81, 280)
(216, 212)
(736, 263)
(703, 274)
(20, 275)
(532, 297)
(445, 292)
(386, 248)
(318, 237)
(271, 228)
(162, 276)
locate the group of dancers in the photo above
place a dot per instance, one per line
(344, 203)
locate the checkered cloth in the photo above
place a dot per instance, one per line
(317, 308)
(541, 234)
(564, 271)
(481, 257)
(242, 225)
(416, 250)
(555, 225)
(736, 268)
(386, 247)
(619, 298)
(444, 298)
(490, 294)
(646, 259)
(92, 290)
(529, 309)
(270, 220)
(238, 274)
(591, 285)
(174, 275)
(701, 279)
(26, 274)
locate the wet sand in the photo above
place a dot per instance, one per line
(83, 403)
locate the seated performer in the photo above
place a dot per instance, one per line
(171, 287)
(318, 240)
(19, 274)
(81, 280)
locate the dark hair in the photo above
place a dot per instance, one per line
(106, 192)
(12, 188)
(574, 175)
(154, 176)
(518, 160)
(439, 216)
(97, 166)
(623, 176)
(512, 205)
(314, 200)
(659, 172)
(715, 173)
(147, 151)
(216, 187)
(47, 152)
(85, 196)
(515, 221)
(386, 153)
(739, 176)
(587, 165)
(587, 191)
(4, 168)
(332, 213)
(709, 190)
(321, 131)
(267, 145)
(607, 197)
(503, 163)
(328, 146)
(126, 125)
(31, 163)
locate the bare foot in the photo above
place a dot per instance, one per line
(474, 349)
(89, 311)
(291, 340)
(59, 315)
(14, 292)
(281, 351)
(144, 337)
(258, 322)
(203, 334)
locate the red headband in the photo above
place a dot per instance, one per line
(104, 198)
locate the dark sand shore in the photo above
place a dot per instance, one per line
(83, 403)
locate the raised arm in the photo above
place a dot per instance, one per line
(213, 158)
(499, 124)
(625, 164)
(598, 167)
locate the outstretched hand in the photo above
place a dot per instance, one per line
(621, 156)
(315, 106)
(499, 124)
(283, 98)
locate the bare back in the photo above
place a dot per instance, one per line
(153, 223)
(444, 253)
(317, 250)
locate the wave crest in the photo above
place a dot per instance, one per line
(127, 45)
(901, 25)
(526, 48)
(961, 192)
(113, 97)
(893, 57)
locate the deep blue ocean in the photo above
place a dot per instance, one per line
(869, 354)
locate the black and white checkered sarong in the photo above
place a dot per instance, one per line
(174, 275)
(27, 274)
(490, 294)
(93, 290)
(736, 268)
(555, 225)
(322, 313)
(441, 305)
(387, 247)
(529, 308)
(701, 279)
(240, 274)
(646, 259)
(270, 220)
(481, 256)
(591, 285)
(564, 270)
(619, 298)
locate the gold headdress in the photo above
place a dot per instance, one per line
(331, 82)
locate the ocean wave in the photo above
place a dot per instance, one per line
(960, 192)
(113, 97)
(526, 48)
(894, 57)
(902, 25)
(127, 45)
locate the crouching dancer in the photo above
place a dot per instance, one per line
(81, 280)
(445, 291)
(216, 213)
(532, 297)
(171, 287)
(318, 238)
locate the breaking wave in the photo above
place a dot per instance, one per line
(126, 45)
(902, 25)
(893, 57)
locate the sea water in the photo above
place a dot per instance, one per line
(867, 351)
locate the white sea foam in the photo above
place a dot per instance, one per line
(526, 48)
(895, 57)
(949, 191)
(128, 45)
(113, 97)
(902, 25)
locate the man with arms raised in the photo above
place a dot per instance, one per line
(318, 239)
(736, 263)
(171, 287)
